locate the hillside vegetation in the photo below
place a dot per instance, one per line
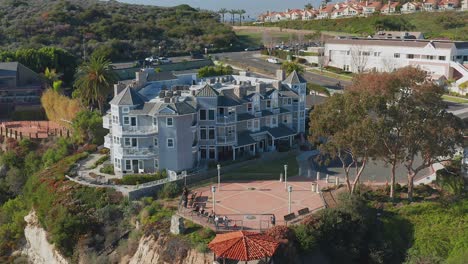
(451, 25)
(117, 30)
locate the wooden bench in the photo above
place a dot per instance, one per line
(303, 211)
(289, 217)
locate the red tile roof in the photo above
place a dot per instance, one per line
(243, 246)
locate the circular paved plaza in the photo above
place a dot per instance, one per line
(251, 204)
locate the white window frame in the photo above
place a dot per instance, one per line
(155, 121)
(129, 142)
(167, 121)
(126, 120)
(249, 124)
(156, 164)
(155, 142)
(173, 142)
(125, 109)
(126, 165)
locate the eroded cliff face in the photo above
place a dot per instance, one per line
(166, 250)
(37, 248)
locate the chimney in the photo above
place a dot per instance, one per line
(193, 92)
(260, 88)
(179, 93)
(161, 94)
(167, 100)
(280, 75)
(118, 87)
(174, 99)
(240, 91)
(277, 84)
(169, 94)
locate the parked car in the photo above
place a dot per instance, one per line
(252, 48)
(196, 55)
(164, 60)
(151, 59)
(273, 60)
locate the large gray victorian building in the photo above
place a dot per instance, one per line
(216, 118)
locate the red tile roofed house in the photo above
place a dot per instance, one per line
(370, 8)
(430, 5)
(390, 8)
(338, 13)
(309, 14)
(295, 14)
(325, 12)
(411, 7)
(449, 4)
(353, 10)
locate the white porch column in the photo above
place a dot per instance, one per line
(290, 141)
(272, 143)
(255, 145)
(233, 153)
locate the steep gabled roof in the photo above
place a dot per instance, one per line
(128, 97)
(295, 78)
(207, 91)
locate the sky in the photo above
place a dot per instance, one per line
(252, 7)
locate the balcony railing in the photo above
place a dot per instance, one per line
(226, 139)
(139, 130)
(138, 151)
(107, 122)
(224, 119)
(108, 141)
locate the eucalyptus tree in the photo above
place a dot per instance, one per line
(345, 130)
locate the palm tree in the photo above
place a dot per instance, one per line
(94, 81)
(223, 11)
(233, 12)
(241, 13)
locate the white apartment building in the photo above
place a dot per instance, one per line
(440, 59)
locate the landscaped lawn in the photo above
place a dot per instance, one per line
(263, 170)
(255, 38)
(454, 99)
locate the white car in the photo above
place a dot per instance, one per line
(273, 60)
(164, 60)
(151, 59)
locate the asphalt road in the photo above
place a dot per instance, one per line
(253, 59)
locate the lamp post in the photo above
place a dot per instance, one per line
(285, 176)
(213, 190)
(289, 198)
(219, 176)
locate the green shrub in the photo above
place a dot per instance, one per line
(170, 190)
(100, 161)
(134, 179)
(305, 237)
(217, 70)
(107, 169)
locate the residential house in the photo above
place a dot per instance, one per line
(430, 5)
(215, 119)
(464, 5)
(449, 4)
(19, 86)
(390, 8)
(370, 8)
(326, 11)
(411, 7)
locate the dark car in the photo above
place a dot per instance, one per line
(196, 55)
